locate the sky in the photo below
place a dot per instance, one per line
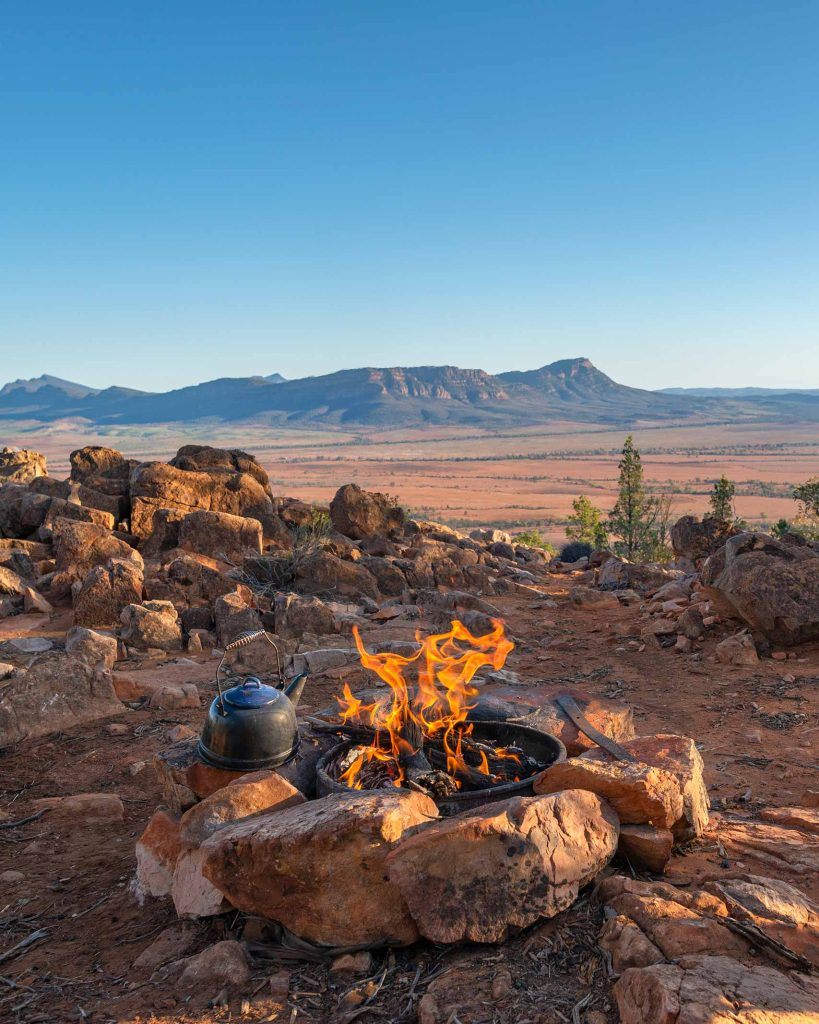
(192, 190)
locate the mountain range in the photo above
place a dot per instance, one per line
(570, 389)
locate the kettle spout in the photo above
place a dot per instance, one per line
(294, 689)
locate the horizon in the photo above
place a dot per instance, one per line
(315, 187)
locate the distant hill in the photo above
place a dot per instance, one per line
(737, 392)
(399, 396)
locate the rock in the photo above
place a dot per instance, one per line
(296, 615)
(325, 572)
(696, 539)
(192, 893)
(627, 943)
(106, 591)
(29, 645)
(96, 807)
(359, 514)
(6, 670)
(97, 648)
(217, 488)
(79, 547)
(690, 623)
(502, 550)
(716, 990)
(152, 624)
(319, 868)
(12, 877)
(222, 965)
(646, 848)
(773, 847)
(35, 602)
(804, 818)
(157, 851)
(171, 944)
(352, 963)
(618, 574)
(388, 577)
(21, 465)
(639, 793)
(221, 535)
(517, 861)
(257, 791)
(593, 600)
(737, 650)
(233, 615)
(11, 583)
(56, 692)
(772, 586)
(59, 509)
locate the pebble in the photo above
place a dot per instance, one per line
(353, 963)
(502, 985)
(12, 876)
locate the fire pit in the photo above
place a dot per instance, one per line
(418, 735)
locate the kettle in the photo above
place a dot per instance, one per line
(252, 725)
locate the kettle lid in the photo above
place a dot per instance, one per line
(251, 693)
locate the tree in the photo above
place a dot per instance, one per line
(807, 495)
(722, 499)
(586, 523)
(639, 519)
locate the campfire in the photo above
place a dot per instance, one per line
(420, 735)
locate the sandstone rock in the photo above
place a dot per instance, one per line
(152, 624)
(257, 791)
(639, 793)
(202, 580)
(35, 602)
(319, 868)
(221, 535)
(11, 583)
(57, 691)
(617, 573)
(628, 944)
(769, 846)
(192, 893)
(324, 572)
(358, 514)
(645, 847)
(91, 807)
(696, 539)
(157, 851)
(98, 648)
(185, 778)
(804, 818)
(690, 623)
(737, 650)
(223, 965)
(594, 600)
(296, 615)
(716, 990)
(79, 547)
(164, 534)
(106, 591)
(233, 615)
(171, 944)
(21, 465)
(388, 577)
(226, 461)
(59, 509)
(517, 861)
(772, 586)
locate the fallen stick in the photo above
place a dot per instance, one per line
(29, 940)
(24, 821)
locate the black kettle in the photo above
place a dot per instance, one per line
(252, 726)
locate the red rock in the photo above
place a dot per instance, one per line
(645, 848)
(627, 944)
(478, 875)
(804, 818)
(319, 868)
(185, 778)
(157, 852)
(80, 807)
(227, 537)
(222, 965)
(192, 893)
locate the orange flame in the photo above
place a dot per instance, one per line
(438, 700)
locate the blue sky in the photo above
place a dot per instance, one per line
(194, 190)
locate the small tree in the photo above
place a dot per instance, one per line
(722, 500)
(807, 496)
(633, 514)
(586, 523)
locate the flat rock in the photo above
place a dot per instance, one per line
(478, 876)
(319, 868)
(92, 807)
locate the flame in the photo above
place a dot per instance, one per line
(431, 688)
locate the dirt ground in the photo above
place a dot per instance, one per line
(75, 897)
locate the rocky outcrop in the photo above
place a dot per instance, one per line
(325, 573)
(359, 514)
(476, 876)
(695, 539)
(21, 465)
(772, 586)
(79, 547)
(56, 692)
(320, 868)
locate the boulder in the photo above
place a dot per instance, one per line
(221, 535)
(233, 615)
(388, 577)
(153, 624)
(97, 648)
(770, 585)
(644, 577)
(359, 514)
(320, 868)
(716, 990)
(59, 508)
(593, 600)
(645, 847)
(325, 573)
(164, 532)
(221, 966)
(250, 794)
(11, 583)
(184, 778)
(296, 615)
(106, 591)
(215, 489)
(227, 461)
(56, 692)
(200, 580)
(79, 547)
(157, 851)
(34, 602)
(192, 893)
(695, 539)
(21, 465)
(476, 876)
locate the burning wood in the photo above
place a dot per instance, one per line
(418, 736)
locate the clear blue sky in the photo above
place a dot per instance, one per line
(194, 190)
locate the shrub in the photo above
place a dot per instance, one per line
(534, 539)
(576, 550)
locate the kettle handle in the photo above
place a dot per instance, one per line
(242, 640)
